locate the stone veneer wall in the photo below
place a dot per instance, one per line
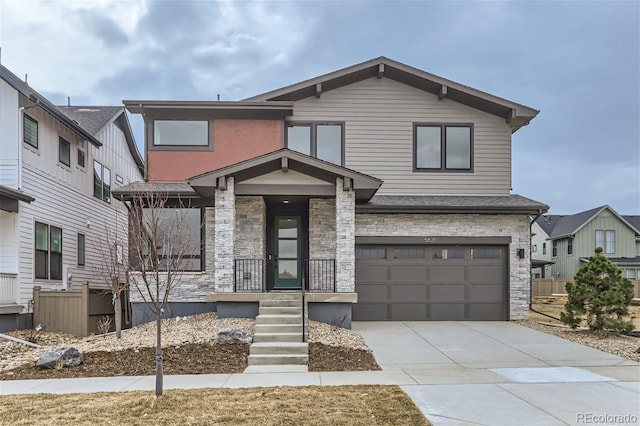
(224, 236)
(322, 228)
(459, 225)
(345, 238)
(251, 228)
(193, 286)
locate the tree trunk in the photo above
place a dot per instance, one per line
(117, 308)
(158, 354)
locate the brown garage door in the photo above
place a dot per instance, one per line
(412, 283)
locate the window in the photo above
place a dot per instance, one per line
(101, 182)
(569, 245)
(81, 252)
(448, 253)
(607, 240)
(30, 131)
(370, 253)
(81, 158)
(442, 147)
(48, 252)
(486, 253)
(630, 273)
(321, 140)
(408, 253)
(534, 248)
(544, 248)
(180, 133)
(64, 152)
(554, 249)
(186, 221)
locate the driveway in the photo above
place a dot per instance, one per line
(500, 373)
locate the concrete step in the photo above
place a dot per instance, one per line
(280, 310)
(277, 337)
(279, 348)
(285, 296)
(260, 369)
(278, 319)
(277, 328)
(280, 303)
(278, 359)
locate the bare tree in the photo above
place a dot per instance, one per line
(160, 248)
(112, 269)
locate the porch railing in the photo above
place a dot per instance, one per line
(7, 288)
(322, 275)
(249, 275)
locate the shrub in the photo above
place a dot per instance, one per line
(600, 296)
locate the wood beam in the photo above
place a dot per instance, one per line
(318, 90)
(347, 183)
(284, 165)
(380, 70)
(510, 116)
(443, 92)
(222, 183)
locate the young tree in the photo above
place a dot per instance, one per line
(600, 296)
(113, 271)
(160, 244)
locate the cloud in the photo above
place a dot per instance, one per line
(103, 27)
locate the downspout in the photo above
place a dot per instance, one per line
(21, 137)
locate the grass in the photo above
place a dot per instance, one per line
(312, 405)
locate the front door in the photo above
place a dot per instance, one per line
(288, 249)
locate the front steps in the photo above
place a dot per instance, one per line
(277, 340)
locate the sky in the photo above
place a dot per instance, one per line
(578, 62)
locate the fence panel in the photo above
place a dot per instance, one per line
(542, 287)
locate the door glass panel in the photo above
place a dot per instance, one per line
(288, 249)
(287, 228)
(287, 269)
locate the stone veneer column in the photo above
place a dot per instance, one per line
(224, 215)
(345, 238)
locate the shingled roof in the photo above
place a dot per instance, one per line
(562, 226)
(92, 118)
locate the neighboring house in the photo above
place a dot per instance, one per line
(572, 239)
(540, 253)
(384, 189)
(57, 168)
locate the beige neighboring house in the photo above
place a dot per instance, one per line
(57, 169)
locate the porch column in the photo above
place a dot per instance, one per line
(345, 237)
(224, 216)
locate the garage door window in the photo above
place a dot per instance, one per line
(448, 253)
(409, 253)
(370, 253)
(486, 253)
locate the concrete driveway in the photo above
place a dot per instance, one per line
(500, 373)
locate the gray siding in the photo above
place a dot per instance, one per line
(379, 116)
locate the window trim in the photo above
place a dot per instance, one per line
(443, 144)
(314, 136)
(151, 137)
(62, 141)
(25, 118)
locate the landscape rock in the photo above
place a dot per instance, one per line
(229, 335)
(68, 356)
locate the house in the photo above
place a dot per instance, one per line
(540, 253)
(382, 189)
(573, 239)
(57, 169)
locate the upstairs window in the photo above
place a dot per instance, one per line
(554, 248)
(30, 131)
(442, 147)
(180, 133)
(101, 182)
(81, 250)
(544, 248)
(607, 240)
(324, 141)
(64, 152)
(569, 245)
(81, 158)
(48, 252)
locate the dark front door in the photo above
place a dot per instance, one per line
(288, 252)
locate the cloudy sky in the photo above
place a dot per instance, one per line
(578, 62)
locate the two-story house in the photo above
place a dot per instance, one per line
(540, 250)
(572, 239)
(57, 169)
(382, 189)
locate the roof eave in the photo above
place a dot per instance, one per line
(363, 208)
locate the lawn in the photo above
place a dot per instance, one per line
(313, 405)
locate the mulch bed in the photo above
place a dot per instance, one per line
(190, 359)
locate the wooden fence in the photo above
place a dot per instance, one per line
(73, 312)
(552, 286)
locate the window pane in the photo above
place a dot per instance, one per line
(370, 253)
(486, 253)
(42, 267)
(97, 179)
(30, 127)
(428, 154)
(56, 240)
(177, 132)
(630, 273)
(288, 249)
(80, 249)
(600, 239)
(42, 237)
(56, 266)
(409, 253)
(64, 152)
(448, 253)
(287, 269)
(106, 184)
(611, 242)
(299, 139)
(458, 148)
(287, 228)
(80, 158)
(329, 143)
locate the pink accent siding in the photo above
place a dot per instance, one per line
(233, 141)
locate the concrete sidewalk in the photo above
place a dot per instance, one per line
(489, 373)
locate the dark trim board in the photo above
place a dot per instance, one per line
(433, 240)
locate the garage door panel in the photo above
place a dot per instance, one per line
(447, 311)
(486, 273)
(370, 311)
(488, 311)
(407, 292)
(486, 292)
(446, 273)
(446, 292)
(407, 273)
(372, 292)
(371, 273)
(409, 311)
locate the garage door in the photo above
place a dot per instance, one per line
(413, 283)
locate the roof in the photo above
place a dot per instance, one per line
(538, 263)
(633, 220)
(563, 226)
(509, 204)
(96, 118)
(229, 108)
(170, 189)
(516, 114)
(15, 194)
(619, 260)
(22, 87)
